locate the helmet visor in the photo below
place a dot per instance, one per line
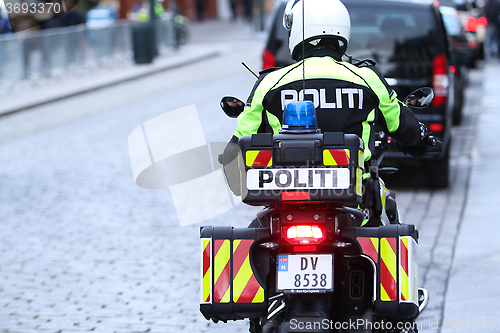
(288, 15)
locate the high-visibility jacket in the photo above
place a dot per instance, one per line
(347, 99)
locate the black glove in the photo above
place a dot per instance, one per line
(424, 132)
(416, 151)
(425, 141)
(230, 154)
(229, 160)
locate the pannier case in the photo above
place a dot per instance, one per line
(234, 273)
(393, 250)
(301, 167)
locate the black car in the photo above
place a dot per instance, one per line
(460, 56)
(409, 43)
(474, 26)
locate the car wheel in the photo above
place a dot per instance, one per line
(481, 52)
(457, 110)
(472, 63)
(438, 171)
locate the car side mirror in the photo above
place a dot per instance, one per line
(420, 98)
(232, 106)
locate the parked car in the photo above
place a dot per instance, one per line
(473, 23)
(460, 56)
(276, 53)
(409, 43)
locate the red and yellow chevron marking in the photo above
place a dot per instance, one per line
(259, 158)
(206, 273)
(222, 270)
(404, 269)
(246, 288)
(413, 266)
(359, 182)
(388, 269)
(336, 157)
(369, 246)
(359, 173)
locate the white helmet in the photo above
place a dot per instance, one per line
(322, 18)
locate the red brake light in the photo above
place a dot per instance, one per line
(440, 79)
(304, 248)
(482, 21)
(436, 127)
(471, 24)
(294, 196)
(440, 64)
(304, 234)
(268, 59)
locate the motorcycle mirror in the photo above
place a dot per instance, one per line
(232, 106)
(420, 98)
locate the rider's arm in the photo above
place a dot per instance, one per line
(250, 119)
(408, 131)
(254, 118)
(398, 119)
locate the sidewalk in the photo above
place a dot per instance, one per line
(207, 39)
(54, 90)
(473, 292)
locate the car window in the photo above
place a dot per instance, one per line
(451, 23)
(461, 5)
(383, 29)
(450, 3)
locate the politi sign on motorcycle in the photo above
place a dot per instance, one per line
(310, 178)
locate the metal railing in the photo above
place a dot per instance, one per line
(51, 52)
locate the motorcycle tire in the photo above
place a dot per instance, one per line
(305, 309)
(457, 110)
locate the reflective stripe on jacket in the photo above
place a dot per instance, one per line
(347, 98)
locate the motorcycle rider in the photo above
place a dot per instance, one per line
(348, 98)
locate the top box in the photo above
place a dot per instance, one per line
(320, 167)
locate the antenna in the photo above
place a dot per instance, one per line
(303, 53)
(251, 71)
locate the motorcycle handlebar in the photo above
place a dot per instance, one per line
(430, 145)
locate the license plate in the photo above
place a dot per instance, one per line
(304, 273)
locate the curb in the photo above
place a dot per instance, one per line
(104, 84)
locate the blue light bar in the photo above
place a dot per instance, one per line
(299, 117)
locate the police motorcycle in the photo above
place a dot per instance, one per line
(306, 264)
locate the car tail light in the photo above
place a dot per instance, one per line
(268, 59)
(471, 24)
(440, 79)
(482, 22)
(473, 44)
(436, 127)
(304, 234)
